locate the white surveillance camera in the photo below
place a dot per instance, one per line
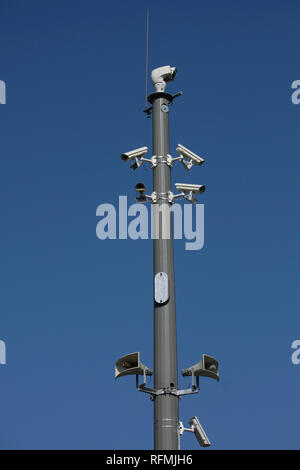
(137, 153)
(161, 76)
(190, 188)
(193, 158)
(199, 432)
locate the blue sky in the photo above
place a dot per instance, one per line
(70, 303)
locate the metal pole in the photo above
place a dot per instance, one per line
(167, 427)
(166, 424)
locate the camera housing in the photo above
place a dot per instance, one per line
(199, 432)
(137, 153)
(187, 188)
(161, 75)
(192, 158)
(140, 189)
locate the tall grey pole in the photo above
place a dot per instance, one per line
(165, 394)
(165, 344)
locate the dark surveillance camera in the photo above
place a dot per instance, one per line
(140, 187)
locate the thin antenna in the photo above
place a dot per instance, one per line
(147, 55)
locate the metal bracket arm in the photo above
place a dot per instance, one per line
(152, 160)
(155, 159)
(189, 197)
(167, 391)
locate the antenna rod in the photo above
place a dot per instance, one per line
(147, 56)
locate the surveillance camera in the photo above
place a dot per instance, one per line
(188, 188)
(192, 158)
(161, 76)
(199, 432)
(140, 187)
(137, 153)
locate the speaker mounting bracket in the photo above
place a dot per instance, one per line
(165, 391)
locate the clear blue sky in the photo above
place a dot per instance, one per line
(71, 304)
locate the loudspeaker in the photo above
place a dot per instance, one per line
(131, 365)
(207, 367)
